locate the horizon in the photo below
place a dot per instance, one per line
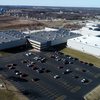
(51, 3)
(48, 6)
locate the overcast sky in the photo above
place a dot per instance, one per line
(66, 3)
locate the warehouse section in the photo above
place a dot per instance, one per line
(86, 44)
(91, 28)
(44, 40)
(10, 39)
(89, 42)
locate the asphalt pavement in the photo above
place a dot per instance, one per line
(50, 75)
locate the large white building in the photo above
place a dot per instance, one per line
(90, 29)
(89, 42)
(47, 29)
(86, 44)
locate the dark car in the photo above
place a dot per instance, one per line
(90, 64)
(30, 65)
(66, 62)
(35, 68)
(47, 71)
(52, 56)
(24, 61)
(60, 67)
(23, 75)
(35, 79)
(43, 60)
(12, 67)
(39, 71)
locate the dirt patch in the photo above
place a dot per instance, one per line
(10, 92)
(8, 22)
(94, 94)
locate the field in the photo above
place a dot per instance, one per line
(82, 56)
(9, 91)
(7, 95)
(2, 54)
(67, 24)
(94, 94)
(8, 22)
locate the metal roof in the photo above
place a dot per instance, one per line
(89, 29)
(88, 40)
(8, 36)
(45, 36)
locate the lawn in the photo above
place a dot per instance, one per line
(7, 95)
(82, 56)
(3, 53)
(94, 94)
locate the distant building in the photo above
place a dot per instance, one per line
(91, 28)
(45, 29)
(2, 11)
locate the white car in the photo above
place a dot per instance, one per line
(28, 54)
(56, 76)
(84, 80)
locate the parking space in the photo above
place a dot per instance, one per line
(50, 75)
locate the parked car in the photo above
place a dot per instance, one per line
(35, 79)
(67, 71)
(84, 80)
(56, 76)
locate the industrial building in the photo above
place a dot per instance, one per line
(39, 40)
(45, 39)
(10, 39)
(91, 28)
(86, 44)
(45, 29)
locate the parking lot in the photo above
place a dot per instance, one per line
(50, 75)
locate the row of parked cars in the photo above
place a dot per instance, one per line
(67, 59)
(37, 58)
(18, 73)
(38, 70)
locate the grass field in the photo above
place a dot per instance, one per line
(59, 23)
(94, 94)
(82, 56)
(9, 92)
(7, 95)
(3, 53)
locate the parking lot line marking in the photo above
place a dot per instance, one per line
(75, 89)
(51, 93)
(61, 82)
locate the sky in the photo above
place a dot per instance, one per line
(65, 3)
